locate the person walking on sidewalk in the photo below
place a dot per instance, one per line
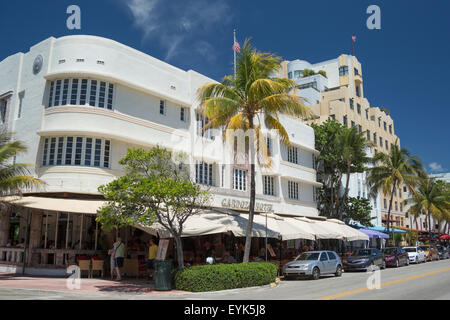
(152, 250)
(119, 255)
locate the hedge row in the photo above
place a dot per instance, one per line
(225, 276)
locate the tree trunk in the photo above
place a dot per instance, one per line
(429, 225)
(389, 211)
(180, 255)
(251, 209)
(341, 207)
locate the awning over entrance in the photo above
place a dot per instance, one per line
(57, 204)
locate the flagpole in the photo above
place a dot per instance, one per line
(234, 34)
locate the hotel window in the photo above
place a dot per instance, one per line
(102, 95)
(368, 135)
(204, 173)
(356, 72)
(314, 194)
(359, 128)
(162, 107)
(201, 123)
(390, 128)
(333, 117)
(343, 70)
(379, 122)
(375, 138)
(401, 207)
(182, 114)
(293, 155)
(358, 108)
(345, 120)
(93, 97)
(396, 206)
(240, 179)
(313, 161)
(376, 151)
(21, 97)
(57, 93)
(385, 125)
(297, 74)
(367, 114)
(269, 145)
(81, 92)
(353, 123)
(58, 148)
(351, 104)
(381, 142)
(293, 190)
(290, 75)
(386, 144)
(269, 183)
(358, 91)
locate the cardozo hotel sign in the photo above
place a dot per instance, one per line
(244, 205)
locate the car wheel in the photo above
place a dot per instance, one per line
(315, 273)
(396, 263)
(338, 271)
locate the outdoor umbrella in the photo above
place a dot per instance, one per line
(291, 229)
(323, 230)
(444, 237)
(349, 233)
(384, 229)
(374, 234)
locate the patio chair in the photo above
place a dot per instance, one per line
(85, 265)
(97, 265)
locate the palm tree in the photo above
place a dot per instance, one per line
(246, 101)
(14, 177)
(430, 198)
(393, 170)
(351, 146)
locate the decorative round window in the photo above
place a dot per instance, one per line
(37, 65)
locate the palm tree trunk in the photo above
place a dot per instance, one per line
(251, 209)
(429, 225)
(389, 210)
(341, 207)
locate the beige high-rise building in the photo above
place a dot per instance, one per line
(335, 89)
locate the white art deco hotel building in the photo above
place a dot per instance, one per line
(79, 102)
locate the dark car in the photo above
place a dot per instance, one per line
(443, 252)
(364, 259)
(396, 257)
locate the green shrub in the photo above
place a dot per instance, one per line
(225, 276)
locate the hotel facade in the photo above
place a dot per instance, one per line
(80, 102)
(338, 94)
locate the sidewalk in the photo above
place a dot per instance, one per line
(88, 286)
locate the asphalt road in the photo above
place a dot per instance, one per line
(429, 281)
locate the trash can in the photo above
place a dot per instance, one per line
(163, 275)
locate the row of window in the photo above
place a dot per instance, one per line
(76, 151)
(385, 202)
(82, 92)
(308, 85)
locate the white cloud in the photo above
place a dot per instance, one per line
(436, 167)
(180, 26)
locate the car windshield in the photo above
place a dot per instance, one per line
(424, 248)
(390, 251)
(410, 249)
(308, 256)
(361, 253)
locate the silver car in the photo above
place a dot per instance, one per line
(314, 264)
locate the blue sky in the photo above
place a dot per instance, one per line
(406, 64)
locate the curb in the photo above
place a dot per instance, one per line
(268, 286)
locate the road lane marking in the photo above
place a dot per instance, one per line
(385, 284)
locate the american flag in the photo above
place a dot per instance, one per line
(354, 38)
(236, 47)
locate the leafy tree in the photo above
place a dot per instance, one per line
(342, 152)
(246, 101)
(154, 188)
(393, 170)
(358, 210)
